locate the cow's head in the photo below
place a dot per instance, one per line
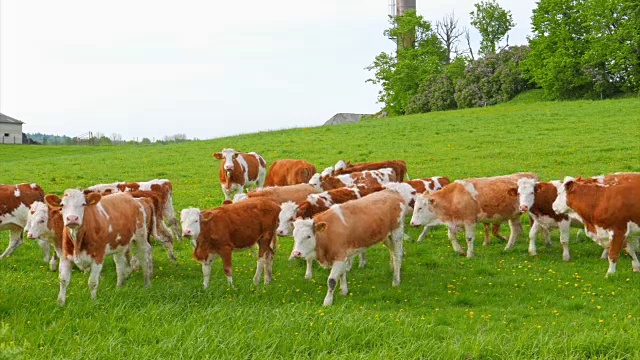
(341, 164)
(315, 181)
(37, 220)
(525, 191)
(287, 215)
(560, 205)
(190, 222)
(423, 211)
(228, 155)
(304, 237)
(73, 204)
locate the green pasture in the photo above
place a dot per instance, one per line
(496, 305)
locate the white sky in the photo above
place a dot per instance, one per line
(202, 68)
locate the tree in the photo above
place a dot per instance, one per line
(586, 48)
(145, 141)
(449, 33)
(400, 76)
(493, 23)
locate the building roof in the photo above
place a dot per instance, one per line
(9, 120)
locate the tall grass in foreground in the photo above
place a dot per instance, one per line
(497, 305)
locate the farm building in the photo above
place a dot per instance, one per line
(10, 130)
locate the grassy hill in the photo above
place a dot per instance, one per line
(497, 305)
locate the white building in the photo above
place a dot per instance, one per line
(10, 130)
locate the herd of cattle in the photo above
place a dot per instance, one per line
(333, 216)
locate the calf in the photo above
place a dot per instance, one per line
(537, 198)
(220, 231)
(280, 194)
(45, 222)
(429, 185)
(289, 172)
(336, 235)
(15, 201)
(96, 226)
(466, 202)
(317, 203)
(614, 209)
(369, 177)
(162, 187)
(399, 168)
(240, 170)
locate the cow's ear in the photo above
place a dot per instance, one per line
(206, 216)
(52, 200)
(569, 186)
(218, 155)
(319, 227)
(512, 191)
(235, 155)
(92, 198)
(536, 188)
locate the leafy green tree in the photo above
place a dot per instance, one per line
(400, 76)
(145, 141)
(493, 22)
(585, 48)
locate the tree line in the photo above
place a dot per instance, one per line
(579, 49)
(101, 139)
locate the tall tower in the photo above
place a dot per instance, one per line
(398, 8)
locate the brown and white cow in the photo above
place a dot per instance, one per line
(368, 177)
(333, 237)
(15, 201)
(280, 194)
(162, 187)
(220, 231)
(97, 226)
(289, 172)
(44, 222)
(537, 198)
(614, 209)
(239, 171)
(467, 202)
(429, 185)
(317, 203)
(399, 167)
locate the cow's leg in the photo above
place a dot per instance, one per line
(120, 260)
(146, 253)
(344, 288)
(453, 237)
(260, 266)
(268, 267)
(614, 250)
(470, 235)
(516, 229)
(487, 236)
(635, 264)
(397, 252)
(423, 234)
(226, 265)
(165, 234)
(15, 239)
(533, 234)
(46, 250)
(65, 279)
(338, 268)
(605, 253)
(309, 273)
(261, 178)
(228, 193)
(94, 279)
(546, 234)
(57, 254)
(206, 272)
(565, 234)
(362, 259)
(495, 230)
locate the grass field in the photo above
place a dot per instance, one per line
(496, 305)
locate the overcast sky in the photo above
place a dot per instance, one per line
(202, 68)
